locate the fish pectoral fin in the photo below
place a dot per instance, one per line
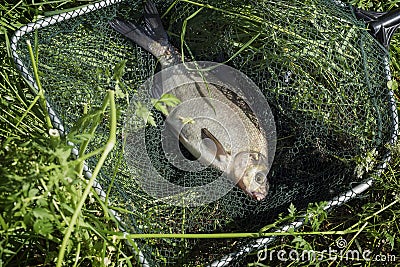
(183, 139)
(220, 150)
(172, 126)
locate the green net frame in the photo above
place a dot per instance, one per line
(330, 113)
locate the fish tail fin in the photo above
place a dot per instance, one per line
(151, 36)
(133, 32)
(153, 24)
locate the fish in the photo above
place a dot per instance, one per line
(225, 133)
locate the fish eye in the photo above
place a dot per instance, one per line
(259, 177)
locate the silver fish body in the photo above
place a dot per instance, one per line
(224, 134)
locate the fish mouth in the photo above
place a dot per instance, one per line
(258, 196)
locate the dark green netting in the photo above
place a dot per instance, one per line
(325, 79)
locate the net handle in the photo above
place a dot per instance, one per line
(382, 25)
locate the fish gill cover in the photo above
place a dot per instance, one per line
(323, 76)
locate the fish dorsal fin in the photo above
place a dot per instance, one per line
(221, 152)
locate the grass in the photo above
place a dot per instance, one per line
(44, 198)
(49, 213)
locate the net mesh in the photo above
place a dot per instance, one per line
(322, 74)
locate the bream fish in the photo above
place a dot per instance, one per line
(225, 134)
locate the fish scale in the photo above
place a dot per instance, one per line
(239, 126)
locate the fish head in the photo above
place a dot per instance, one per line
(250, 171)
